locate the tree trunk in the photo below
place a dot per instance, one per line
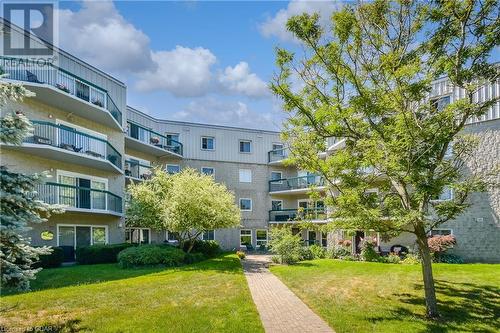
(190, 247)
(430, 291)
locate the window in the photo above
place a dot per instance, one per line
(207, 143)
(81, 235)
(261, 236)
(137, 235)
(208, 171)
(173, 168)
(324, 239)
(245, 176)
(171, 237)
(277, 146)
(440, 103)
(171, 137)
(311, 237)
(245, 237)
(446, 195)
(245, 204)
(245, 146)
(276, 176)
(276, 204)
(441, 232)
(208, 235)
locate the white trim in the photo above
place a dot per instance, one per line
(281, 176)
(80, 175)
(140, 235)
(435, 229)
(206, 231)
(83, 225)
(309, 201)
(257, 239)
(251, 236)
(239, 175)
(176, 165)
(279, 144)
(239, 146)
(169, 241)
(207, 137)
(251, 205)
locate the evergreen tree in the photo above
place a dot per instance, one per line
(18, 199)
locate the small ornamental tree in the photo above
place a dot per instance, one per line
(367, 79)
(18, 200)
(188, 203)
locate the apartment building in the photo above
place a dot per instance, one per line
(92, 145)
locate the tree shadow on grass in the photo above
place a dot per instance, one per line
(458, 303)
(93, 274)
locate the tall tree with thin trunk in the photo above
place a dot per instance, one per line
(367, 79)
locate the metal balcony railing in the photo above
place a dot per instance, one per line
(46, 73)
(295, 183)
(153, 138)
(61, 136)
(79, 197)
(277, 154)
(137, 170)
(290, 215)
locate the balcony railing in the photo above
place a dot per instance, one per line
(60, 136)
(277, 154)
(79, 197)
(46, 73)
(137, 170)
(295, 183)
(152, 138)
(291, 215)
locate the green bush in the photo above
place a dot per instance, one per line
(306, 253)
(368, 252)
(317, 251)
(100, 254)
(191, 258)
(241, 254)
(287, 246)
(276, 259)
(338, 252)
(209, 248)
(448, 258)
(392, 259)
(52, 260)
(411, 259)
(151, 255)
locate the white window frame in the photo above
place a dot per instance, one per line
(207, 137)
(257, 239)
(239, 146)
(276, 200)
(437, 229)
(169, 241)
(281, 176)
(207, 167)
(176, 165)
(239, 175)
(88, 177)
(452, 196)
(251, 205)
(140, 235)
(203, 233)
(278, 144)
(251, 236)
(83, 225)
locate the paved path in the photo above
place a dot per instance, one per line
(280, 310)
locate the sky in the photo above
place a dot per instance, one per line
(199, 61)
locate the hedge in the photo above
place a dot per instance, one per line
(208, 248)
(152, 255)
(100, 254)
(52, 260)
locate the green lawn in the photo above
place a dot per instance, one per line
(211, 296)
(374, 297)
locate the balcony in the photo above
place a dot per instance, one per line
(63, 90)
(277, 156)
(65, 144)
(80, 199)
(317, 215)
(137, 171)
(296, 185)
(142, 139)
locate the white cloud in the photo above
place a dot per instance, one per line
(98, 34)
(276, 25)
(239, 79)
(183, 71)
(215, 111)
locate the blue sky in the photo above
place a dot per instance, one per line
(201, 61)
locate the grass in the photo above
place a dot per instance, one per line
(211, 296)
(375, 297)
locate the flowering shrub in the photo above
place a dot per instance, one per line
(392, 258)
(240, 254)
(411, 259)
(438, 244)
(344, 242)
(368, 252)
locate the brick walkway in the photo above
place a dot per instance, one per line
(280, 310)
